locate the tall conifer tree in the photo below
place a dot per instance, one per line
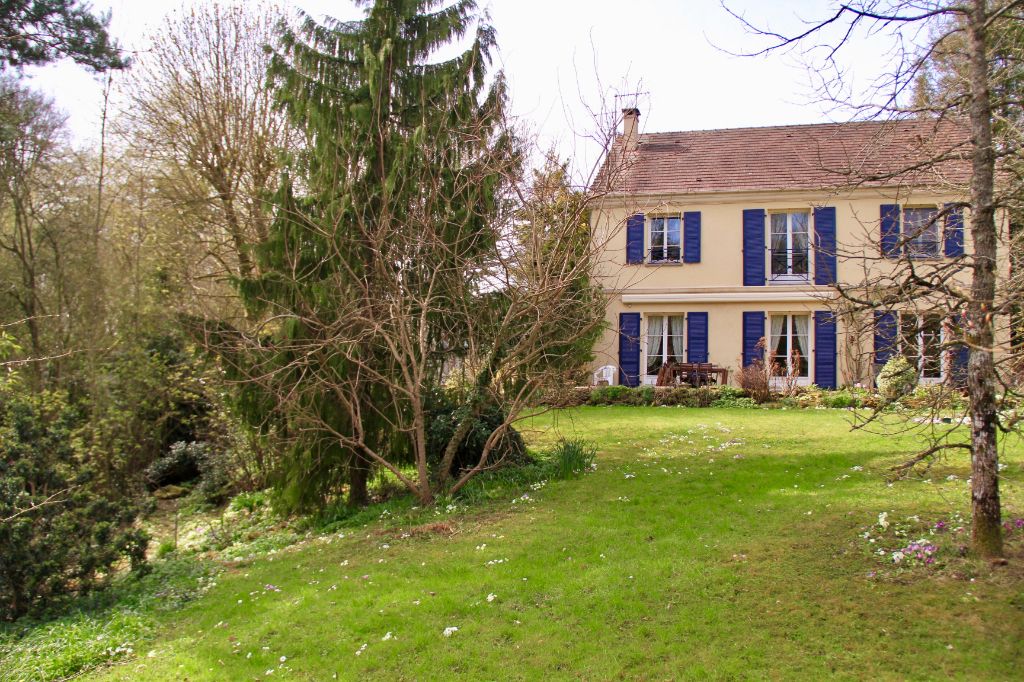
(393, 136)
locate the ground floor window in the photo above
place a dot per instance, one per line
(789, 345)
(664, 341)
(921, 344)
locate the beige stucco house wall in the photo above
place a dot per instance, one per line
(719, 174)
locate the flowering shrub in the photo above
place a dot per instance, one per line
(896, 379)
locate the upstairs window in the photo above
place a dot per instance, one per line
(790, 247)
(921, 232)
(666, 239)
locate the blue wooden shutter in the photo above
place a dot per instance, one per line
(753, 247)
(825, 349)
(691, 237)
(635, 238)
(886, 325)
(825, 245)
(960, 355)
(889, 224)
(954, 232)
(629, 349)
(753, 332)
(696, 337)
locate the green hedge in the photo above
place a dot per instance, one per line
(729, 396)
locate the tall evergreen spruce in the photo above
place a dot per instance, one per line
(393, 137)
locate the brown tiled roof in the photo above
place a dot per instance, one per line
(819, 156)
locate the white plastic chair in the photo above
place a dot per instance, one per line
(605, 374)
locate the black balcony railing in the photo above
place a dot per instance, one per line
(665, 254)
(790, 263)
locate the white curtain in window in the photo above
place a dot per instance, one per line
(675, 338)
(801, 326)
(777, 342)
(655, 332)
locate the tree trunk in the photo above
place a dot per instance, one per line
(358, 478)
(986, 529)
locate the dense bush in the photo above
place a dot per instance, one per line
(731, 396)
(916, 397)
(896, 379)
(179, 465)
(204, 463)
(612, 395)
(58, 533)
(152, 391)
(444, 415)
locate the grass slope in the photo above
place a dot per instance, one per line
(709, 544)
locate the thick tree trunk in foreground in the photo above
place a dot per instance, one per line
(986, 533)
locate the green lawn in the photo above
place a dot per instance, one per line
(718, 544)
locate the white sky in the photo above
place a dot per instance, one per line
(559, 54)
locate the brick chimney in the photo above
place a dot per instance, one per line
(630, 128)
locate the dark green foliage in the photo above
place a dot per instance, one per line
(216, 483)
(39, 31)
(731, 401)
(570, 457)
(385, 122)
(445, 413)
(179, 465)
(611, 395)
(186, 462)
(58, 533)
(840, 401)
(63, 642)
(152, 392)
(687, 396)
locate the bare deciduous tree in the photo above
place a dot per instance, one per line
(201, 118)
(961, 147)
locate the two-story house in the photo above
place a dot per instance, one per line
(716, 241)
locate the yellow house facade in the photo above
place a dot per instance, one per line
(725, 246)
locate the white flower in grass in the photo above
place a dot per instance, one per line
(449, 631)
(359, 652)
(883, 520)
(491, 597)
(386, 637)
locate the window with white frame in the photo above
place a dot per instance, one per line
(790, 244)
(920, 343)
(664, 341)
(921, 231)
(666, 239)
(789, 345)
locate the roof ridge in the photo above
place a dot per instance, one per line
(794, 126)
